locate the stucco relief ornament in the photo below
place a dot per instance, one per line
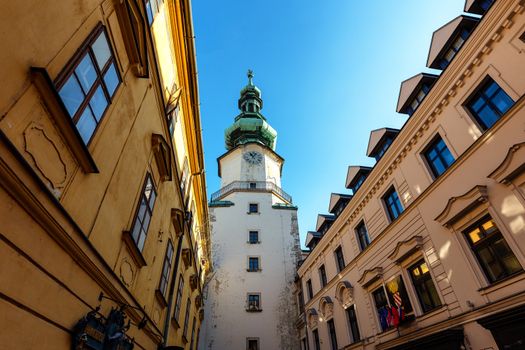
(253, 157)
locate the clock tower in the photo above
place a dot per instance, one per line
(255, 240)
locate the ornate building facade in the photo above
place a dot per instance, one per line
(428, 250)
(249, 298)
(103, 209)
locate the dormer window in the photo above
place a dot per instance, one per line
(383, 147)
(448, 40)
(454, 48)
(418, 99)
(358, 183)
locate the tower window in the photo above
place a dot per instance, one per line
(252, 343)
(253, 264)
(254, 237)
(254, 302)
(253, 208)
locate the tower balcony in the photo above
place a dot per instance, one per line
(251, 186)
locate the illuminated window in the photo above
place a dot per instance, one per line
(492, 251)
(392, 303)
(424, 286)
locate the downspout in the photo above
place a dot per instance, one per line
(171, 292)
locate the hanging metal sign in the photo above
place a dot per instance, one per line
(96, 332)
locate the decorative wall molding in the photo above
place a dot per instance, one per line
(344, 293)
(512, 166)
(406, 248)
(370, 276)
(326, 307)
(162, 153)
(312, 318)
(459, 206)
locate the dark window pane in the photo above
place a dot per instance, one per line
(98, 103)
(86, 125)
(86, 73)
(111, 79)
(489, 104)
(71, 94)
(101, 50)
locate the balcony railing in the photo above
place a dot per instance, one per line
(255, 186)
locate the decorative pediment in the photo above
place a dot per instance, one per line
(133, 26)
(512, 166)
(194, 281)
(377, 137)
(406, 248)
(177, 220)
(312, 318)
(186, 257)
(326, 307)
(162, 153)
(344, 293)
(370, 276)
(410, 87)
(459, 206)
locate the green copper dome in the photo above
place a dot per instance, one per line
(250, 125)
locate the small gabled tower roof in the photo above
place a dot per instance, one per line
(410, 87)
(353, 173)
(377, 136)
(336, 199)
(443, 38)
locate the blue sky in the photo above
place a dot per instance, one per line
(329, 72)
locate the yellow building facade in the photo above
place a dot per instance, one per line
(427, 251)
(104, 239)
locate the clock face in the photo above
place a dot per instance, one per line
(253, 157)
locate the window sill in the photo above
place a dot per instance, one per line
(518, 276)
(58, 112)
(437, 310)
(254, 310)
(161, 299)
(258, 242)
(255, 213)
(134, 251)
(258, 270)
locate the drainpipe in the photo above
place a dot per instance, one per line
(171, 292)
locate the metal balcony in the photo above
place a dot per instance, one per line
(251, 186)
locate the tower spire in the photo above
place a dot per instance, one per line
(250, 125)
(250, 77)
